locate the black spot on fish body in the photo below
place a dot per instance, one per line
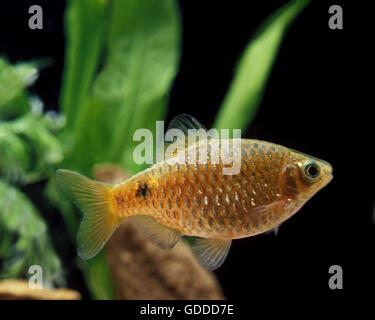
(142, 190)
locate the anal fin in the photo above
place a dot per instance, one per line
(160, 235)
(211, 253)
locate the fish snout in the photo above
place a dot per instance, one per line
(327, 171)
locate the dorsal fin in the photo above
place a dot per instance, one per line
(185, 122)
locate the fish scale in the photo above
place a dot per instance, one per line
(212, 203)
(172, 198)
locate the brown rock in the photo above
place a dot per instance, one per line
(109, 173)
(141, 270)
(15, 289)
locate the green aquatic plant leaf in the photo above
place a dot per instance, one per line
(53, 193)
(13, 81)
(98, 277)
(14, 156)
(131, 91)
(142, 54)
(85, 25)
(24, 239)
(246, 90)
(28, 149)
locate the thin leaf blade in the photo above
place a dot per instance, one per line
(244, 95)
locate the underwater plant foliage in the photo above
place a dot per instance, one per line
(24, 239)
(120, 62)
(245, 92)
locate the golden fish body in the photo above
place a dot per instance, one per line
(198, 200)
(199, 196)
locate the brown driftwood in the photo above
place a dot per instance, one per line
(140, 270)
(14, 289)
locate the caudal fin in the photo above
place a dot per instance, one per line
(93, 199)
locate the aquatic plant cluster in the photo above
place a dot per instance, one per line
(121, 58)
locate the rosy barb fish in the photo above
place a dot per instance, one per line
(172, 199)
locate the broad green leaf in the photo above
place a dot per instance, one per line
(24, 239)
(245, 92)
(131, 91)
(85, 24)
(141, 60)
(13, 81)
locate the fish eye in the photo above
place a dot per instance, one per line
(312, 170)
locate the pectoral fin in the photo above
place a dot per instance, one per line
(160, 235)
(211, 253)
(274, 230)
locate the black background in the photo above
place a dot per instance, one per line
(319, 100)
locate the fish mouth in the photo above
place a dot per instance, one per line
(330, 177)
(327, 172)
